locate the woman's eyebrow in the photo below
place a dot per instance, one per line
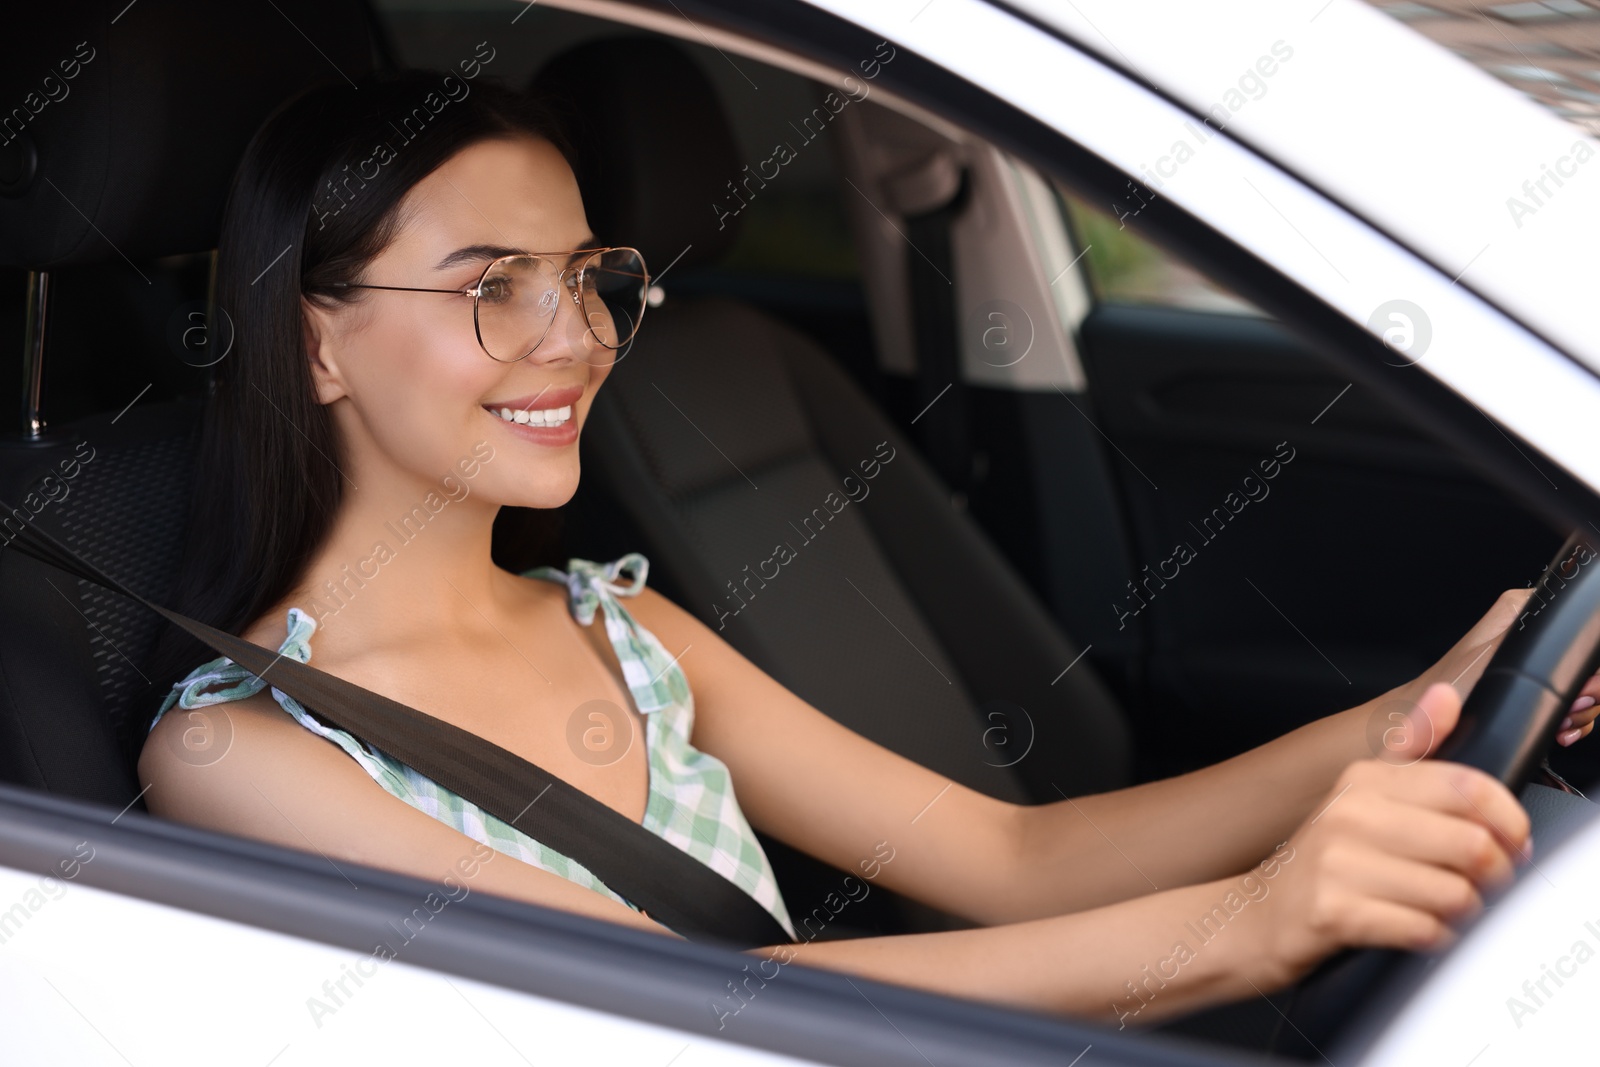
(479, 253)
(475, 252)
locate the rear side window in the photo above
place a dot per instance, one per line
(1124, 268)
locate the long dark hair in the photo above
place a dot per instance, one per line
(306, 210)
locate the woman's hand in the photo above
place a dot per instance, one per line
(1464, 664)
(1396, 853)
(1580, 719)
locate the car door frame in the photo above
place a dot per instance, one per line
(551, 957)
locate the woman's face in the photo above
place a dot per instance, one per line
(412, 391)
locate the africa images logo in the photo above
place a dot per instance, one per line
(1566, 167)
(335, 198)
(1210, 528)
(811, 127)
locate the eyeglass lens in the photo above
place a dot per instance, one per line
(520, 295)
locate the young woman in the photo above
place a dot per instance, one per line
(394, 330)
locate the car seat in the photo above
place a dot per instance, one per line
(724, 434)
(133, 120)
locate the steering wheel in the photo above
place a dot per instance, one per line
(1506, 725)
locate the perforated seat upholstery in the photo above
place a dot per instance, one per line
(72, 691)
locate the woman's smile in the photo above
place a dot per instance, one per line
(545, 418)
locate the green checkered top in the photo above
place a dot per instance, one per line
(691, 802)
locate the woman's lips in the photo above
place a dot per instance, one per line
(553, 436)
(545, 401)
(549, 397)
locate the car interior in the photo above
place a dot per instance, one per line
(1051, 403)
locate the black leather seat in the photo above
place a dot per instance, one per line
(131, 163)
(725, 435)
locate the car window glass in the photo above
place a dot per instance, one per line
(791, 223)
(1052, 241)
(1125, 268)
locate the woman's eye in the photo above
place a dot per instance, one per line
(495, 290)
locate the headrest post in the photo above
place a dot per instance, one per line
(33, 354)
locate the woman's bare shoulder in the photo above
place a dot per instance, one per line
(208, 765)
(260, 774)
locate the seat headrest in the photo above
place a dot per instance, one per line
(656, 152)
(121, 124)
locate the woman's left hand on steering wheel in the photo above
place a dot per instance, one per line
(1580, 719)
(1464, 663)
(1466, 660)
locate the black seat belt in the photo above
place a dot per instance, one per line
(670, 885)
(930, 264)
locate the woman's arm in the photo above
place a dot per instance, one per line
(1400, 851)
(832, 793)
(1395, 856)
(280, 782)
(1220, 819)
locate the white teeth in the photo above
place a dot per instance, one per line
(536, 417)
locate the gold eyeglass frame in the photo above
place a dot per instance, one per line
(476, 289)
